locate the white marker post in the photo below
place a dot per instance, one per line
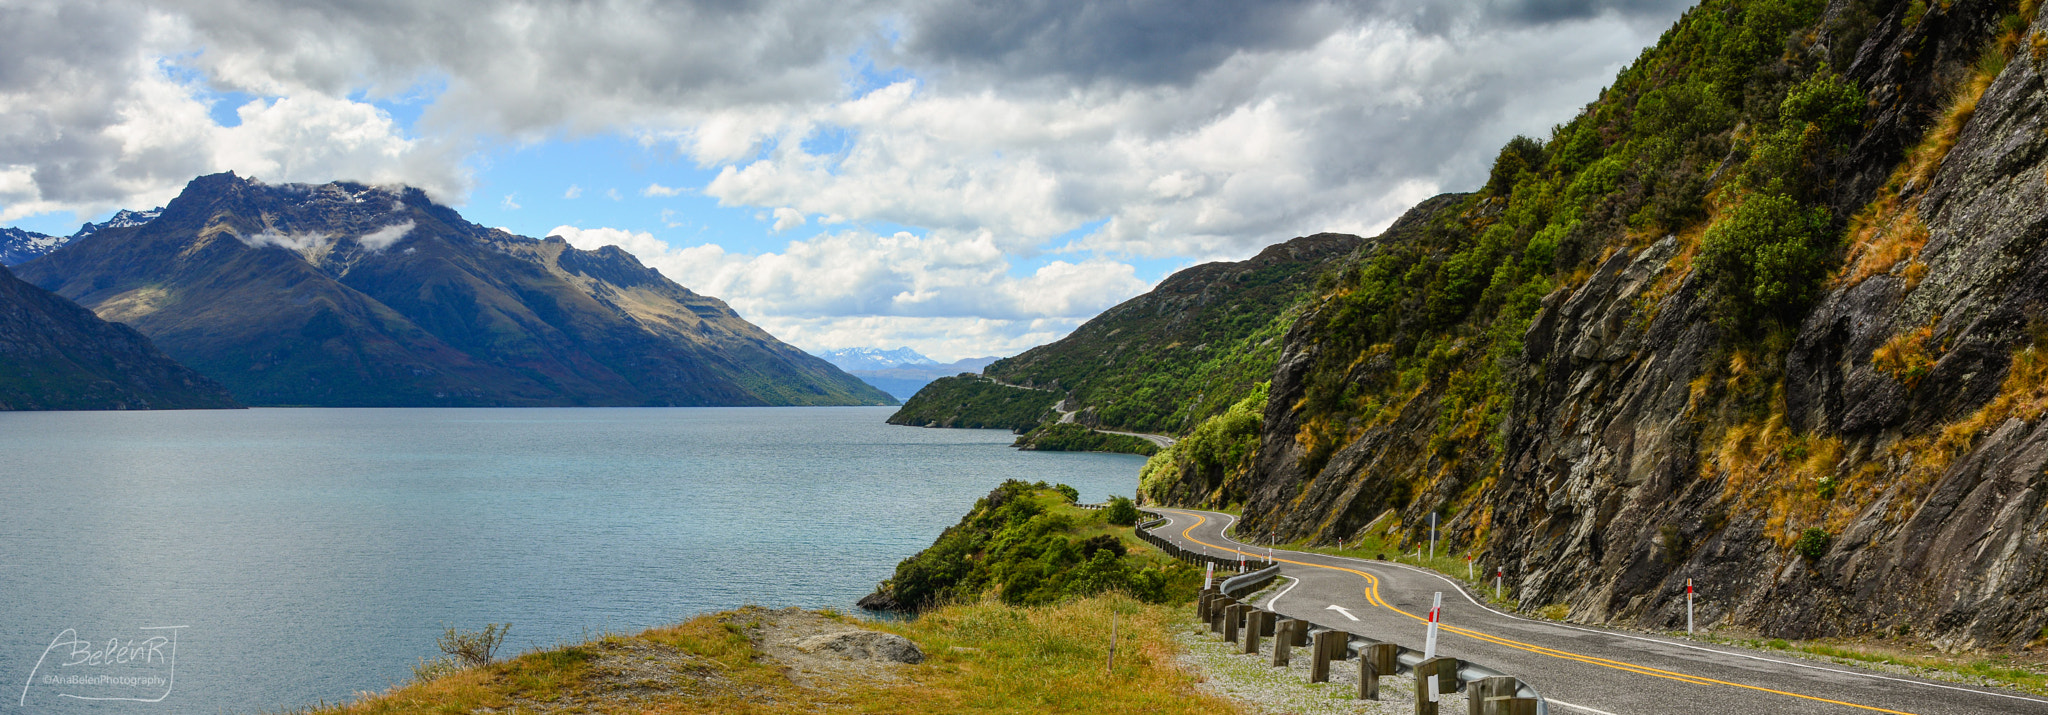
(1432, 536)
(1497, 573)
(1208, 575)
(1436, 609)
(1688, 606)
(1468, 568)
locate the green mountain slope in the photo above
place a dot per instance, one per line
(1155, 363)
(349, 295)
(55, 355)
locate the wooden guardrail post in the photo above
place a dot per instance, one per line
(1202, 603)
(1232, 614)
(1283, 636)
(1329, 645)
(1254, 622)
(1374, 661)
(1496, 696)
(1443, 673)
(1216, 607)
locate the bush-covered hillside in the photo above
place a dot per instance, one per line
(1027, 544)
(975, 402)
(1162, 361)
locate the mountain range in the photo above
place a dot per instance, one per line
(18, 246)
(344, 294)
(900, 372)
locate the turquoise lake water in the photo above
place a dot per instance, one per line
(290, 556)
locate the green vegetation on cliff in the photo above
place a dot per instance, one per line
(1028, 545)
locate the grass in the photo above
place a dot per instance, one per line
(981, 657)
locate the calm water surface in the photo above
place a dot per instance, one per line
(309, 554)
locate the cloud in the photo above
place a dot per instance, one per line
(94, 115)
(306, 244)
(787, 218)
(1000, 133)
(382, 238)
(573, 192)
(613, 194)
(835, 283)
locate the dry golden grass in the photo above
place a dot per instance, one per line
(980, 658)
(1905, 357)
(2023, 396)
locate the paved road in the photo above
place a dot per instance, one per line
(1159, 439)
(1581, 669)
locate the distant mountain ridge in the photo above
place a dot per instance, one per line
(900, 372)
(55, 355)
(344, 294)
(19, 246)
(851, 359)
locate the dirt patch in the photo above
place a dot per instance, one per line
(826, 652)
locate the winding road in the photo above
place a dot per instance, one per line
(1580, 669)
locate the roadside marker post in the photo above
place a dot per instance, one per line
(1436, 609)
(1432, 536)
(1468, 567)
(1209, 576)
(1497, 573)
(1688, 606)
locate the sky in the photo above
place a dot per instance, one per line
(961, 177)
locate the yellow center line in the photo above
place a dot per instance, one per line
(1372, 596)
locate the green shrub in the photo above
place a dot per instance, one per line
(1767, 256)
(474, 648)
(1072, 494)
(1813, 543)
(1121, 511)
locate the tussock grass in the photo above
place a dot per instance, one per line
(982, 657)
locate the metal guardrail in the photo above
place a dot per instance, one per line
(1247, 584)
(1241, 564)
(1260, 573)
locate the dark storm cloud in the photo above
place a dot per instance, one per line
(1144, 41)
(1172, 42)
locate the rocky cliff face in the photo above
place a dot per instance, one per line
(349, 295)
(55, 355)
(1870, 457)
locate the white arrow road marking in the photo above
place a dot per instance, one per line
(1343, 610)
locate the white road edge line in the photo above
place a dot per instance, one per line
(1489, 609)
(1276, 597)
(1717, 651)
(1580, 708)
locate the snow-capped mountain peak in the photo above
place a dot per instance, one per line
(874, 358)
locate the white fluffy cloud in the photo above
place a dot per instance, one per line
(1003, 132)
(836, 285)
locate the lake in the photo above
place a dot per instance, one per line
(291, 556)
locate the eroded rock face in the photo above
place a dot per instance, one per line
(864, 645)
(1606, 497)
(1605, 505)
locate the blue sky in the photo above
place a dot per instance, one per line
(960, 178)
